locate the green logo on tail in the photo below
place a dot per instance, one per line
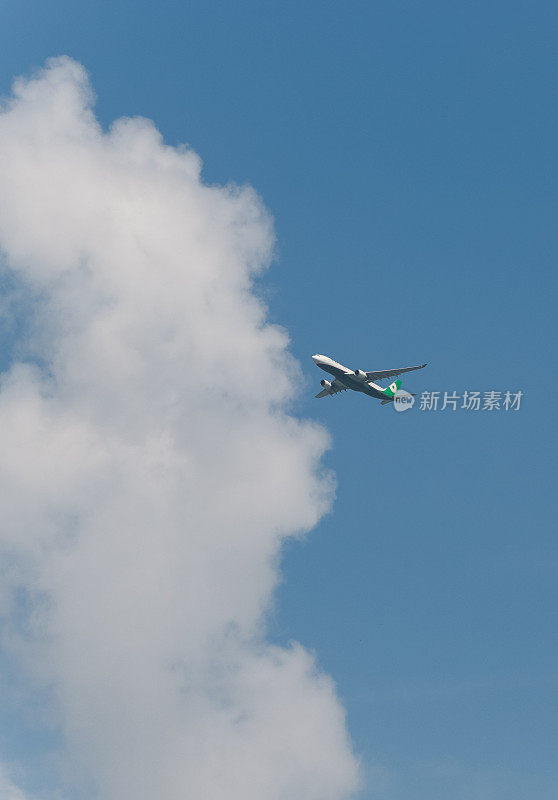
(392, 388)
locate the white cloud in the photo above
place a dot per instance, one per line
(149, 470)
(8, 791)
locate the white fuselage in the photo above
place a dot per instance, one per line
(347, 377)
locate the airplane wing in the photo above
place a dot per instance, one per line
(388, 373)
(336, 386)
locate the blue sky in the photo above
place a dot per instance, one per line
(407, 153)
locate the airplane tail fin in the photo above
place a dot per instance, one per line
(391, 391)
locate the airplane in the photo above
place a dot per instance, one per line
(359, 381)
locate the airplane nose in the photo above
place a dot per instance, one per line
(316, 359)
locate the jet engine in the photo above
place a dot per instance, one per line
(325, 384)
(360, 375)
